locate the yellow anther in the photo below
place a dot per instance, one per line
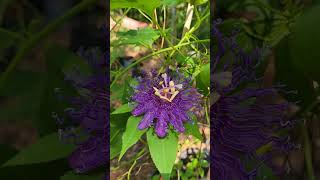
(171, 84)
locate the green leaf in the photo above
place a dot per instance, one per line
(305, 43)
(144, 5)
(6, 153)
(198, 2)
(279, 31)
(143, 36)
(163, 151)
(58, 60)
(47, 149)
(289, 75)
(22, 82)
(205, 74)
(171, 2)
(22, 95)
(8, 38)
(265, 172)
(52, 170)
(72, 176)
(203, 78)
(132, 134)
(193, 129)
(115, 142)
(117, 127)
(123, 109)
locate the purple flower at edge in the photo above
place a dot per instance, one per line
(242, 120)
(90, 111)
(165, 99)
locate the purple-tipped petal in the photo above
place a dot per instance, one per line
(161, 125)
(139, 110)
(146, 121)
(89, 155)
(177, 123)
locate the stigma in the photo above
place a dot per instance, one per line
(169, 90)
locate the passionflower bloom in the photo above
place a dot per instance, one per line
(242, 119)
(165, 99)
(90, 111)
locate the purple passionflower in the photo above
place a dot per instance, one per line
(165, 99)
(242, 118)
(90, 111)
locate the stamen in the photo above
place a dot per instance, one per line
(179, 86)
(173, 96)
(168, 91)
(171, 84)
(165, 76)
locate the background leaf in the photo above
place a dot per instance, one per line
(304, 43)
(203, 78)
(123, 109)
(6, 153)
(132, 134)
(143, 36)
(145, 5)
(47, 149)
(72, 176)
(49, 171)
(58, 59)
(193, 129)
(288, 74)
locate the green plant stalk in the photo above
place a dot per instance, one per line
(34, 40)
(191, 30)
(153, 54)
(14, 35)
(307, 152)
(140, 154)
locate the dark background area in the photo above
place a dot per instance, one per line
(27, 96)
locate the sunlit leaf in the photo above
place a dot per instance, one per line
(163, 151)
(131, 135)
(123, 109)
(192, 128)
(143, 36)
(145, 5)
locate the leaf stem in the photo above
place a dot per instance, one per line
(34, 40)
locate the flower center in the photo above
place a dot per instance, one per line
(169, 90)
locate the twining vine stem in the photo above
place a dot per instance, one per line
(153, 54)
